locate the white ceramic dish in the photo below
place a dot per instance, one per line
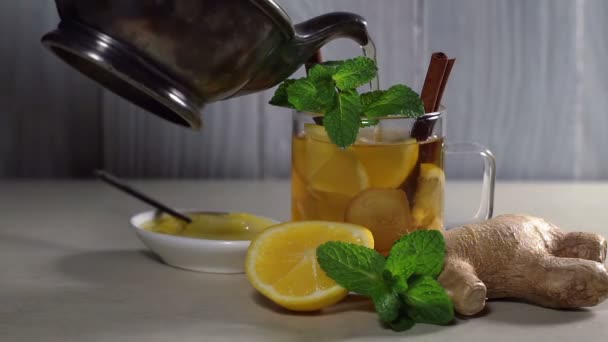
(201, 255)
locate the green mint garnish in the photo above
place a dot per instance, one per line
(387, 303)
(403, 287)
(398, 99)
(355, 72)
(367, 99)
(280, 97)
(428, 302)
(352, 266)
(322, 72)
(342, 120)
(398, 282)
(402, 323)
(304, 95)
(419, 253)
(331, 89)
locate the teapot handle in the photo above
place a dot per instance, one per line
(316, 32)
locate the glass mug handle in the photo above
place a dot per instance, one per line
(486, 205)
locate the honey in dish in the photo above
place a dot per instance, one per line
(230, 226)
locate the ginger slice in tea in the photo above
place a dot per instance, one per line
(428, 200)
(386, 212)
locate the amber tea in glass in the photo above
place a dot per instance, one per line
(387, 180)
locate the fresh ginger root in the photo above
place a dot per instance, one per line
(523, 257)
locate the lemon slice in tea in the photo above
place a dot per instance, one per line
(387, 164)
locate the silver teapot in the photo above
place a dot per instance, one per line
(171, 57)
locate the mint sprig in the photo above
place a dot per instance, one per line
(280, 97)
(355, 72)
(428, 302)
(342, 120)
(419, 253)
(354, 268)
(398, 99)
(403, 287)
(387, 303)
(331, 89)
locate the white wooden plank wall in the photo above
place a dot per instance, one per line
(591, 153)
(529, 82)
(514, 84)
(49, 115)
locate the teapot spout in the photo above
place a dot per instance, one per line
(309, 37)
(318, 31)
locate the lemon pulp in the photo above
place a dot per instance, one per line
(282, 264)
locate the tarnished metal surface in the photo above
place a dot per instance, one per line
(172, 57)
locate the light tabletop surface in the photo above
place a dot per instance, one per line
(71, 270)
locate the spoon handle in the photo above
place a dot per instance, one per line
(115, 182)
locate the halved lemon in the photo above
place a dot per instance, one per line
(281, 262)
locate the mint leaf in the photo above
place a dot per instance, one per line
(397, 100)
(280, 97)
(428, 302)
(370, 97)
(402, 323)
(399, 283)
(309, 96)
(402, 268)
(302, 94)
(325, 86)
(355, 72)
(354, 267)
(321, 72)
(387, 303)
(326, 93)
(342, 120)
(421, 252)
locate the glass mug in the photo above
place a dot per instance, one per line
(386, 181)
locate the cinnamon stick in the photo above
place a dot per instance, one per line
(433, 80)
(432, 91)
(444, 82)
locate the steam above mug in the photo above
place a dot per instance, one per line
(171, 57)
